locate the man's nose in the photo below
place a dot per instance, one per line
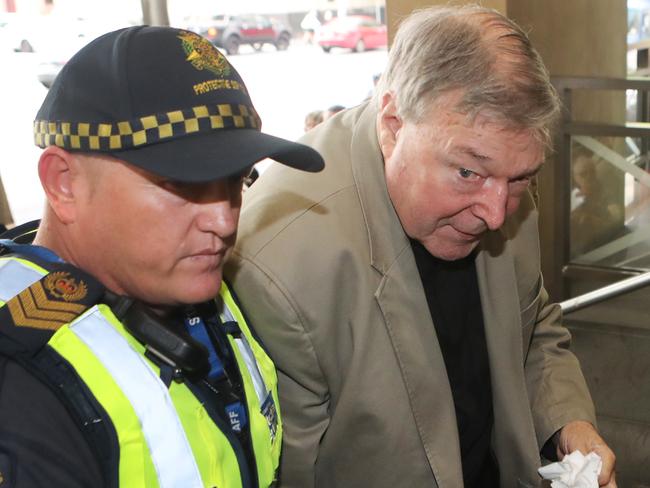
(492, 203)
(220, 218)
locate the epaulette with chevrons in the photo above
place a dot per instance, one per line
(30, 318)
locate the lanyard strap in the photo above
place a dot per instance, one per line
(234, 409)
(232, 328)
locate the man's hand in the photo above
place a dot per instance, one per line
(582, 436)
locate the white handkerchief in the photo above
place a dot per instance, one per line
(574, 471)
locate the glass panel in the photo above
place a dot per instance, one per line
(610, 202)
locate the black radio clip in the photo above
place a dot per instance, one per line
(171, 345)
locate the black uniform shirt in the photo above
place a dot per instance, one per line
(40, 445)
(452, 293)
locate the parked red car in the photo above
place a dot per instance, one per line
(356, 32)
(229, 32)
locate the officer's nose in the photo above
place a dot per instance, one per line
(491, 206)
(220, 219)
(220, 213)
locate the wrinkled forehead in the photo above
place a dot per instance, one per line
(484, 120)
(484, 137)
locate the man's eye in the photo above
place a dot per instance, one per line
(465, 173)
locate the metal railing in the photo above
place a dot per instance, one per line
(604, 293)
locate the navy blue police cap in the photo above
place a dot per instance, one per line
(165, 100)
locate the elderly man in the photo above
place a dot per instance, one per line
(124, 358)
(399, 291)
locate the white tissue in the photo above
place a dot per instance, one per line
(574, 471)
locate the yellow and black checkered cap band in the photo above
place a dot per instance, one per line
(142, 131)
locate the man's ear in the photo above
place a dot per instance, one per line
(389, 124)
(56, 172)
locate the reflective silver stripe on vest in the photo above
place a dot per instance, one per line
(15, 277)
(170, 450)
(249, 358)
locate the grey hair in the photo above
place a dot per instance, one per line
(479, 52)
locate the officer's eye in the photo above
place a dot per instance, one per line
(465, 173)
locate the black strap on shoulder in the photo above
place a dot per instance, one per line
(22, 234)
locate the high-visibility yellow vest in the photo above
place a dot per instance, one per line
(165, 435)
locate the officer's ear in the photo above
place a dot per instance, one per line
(389, 124)
(56, 170)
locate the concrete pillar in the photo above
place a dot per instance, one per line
(154, 12)
(577, 38)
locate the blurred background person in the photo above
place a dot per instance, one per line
(595, 216)
(312, 119)
(332, 110)
(309, 26)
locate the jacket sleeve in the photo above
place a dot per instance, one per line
(557, 390)
(304, 399)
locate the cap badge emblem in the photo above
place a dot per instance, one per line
(203, 55)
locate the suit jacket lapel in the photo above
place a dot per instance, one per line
(409, 325)
(514, 435)
(406, 314)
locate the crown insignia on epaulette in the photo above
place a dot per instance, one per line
(62, 285)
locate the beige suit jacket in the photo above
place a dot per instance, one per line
(327, 277)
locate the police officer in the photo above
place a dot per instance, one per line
(124, 357)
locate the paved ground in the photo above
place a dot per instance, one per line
(284, 86)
